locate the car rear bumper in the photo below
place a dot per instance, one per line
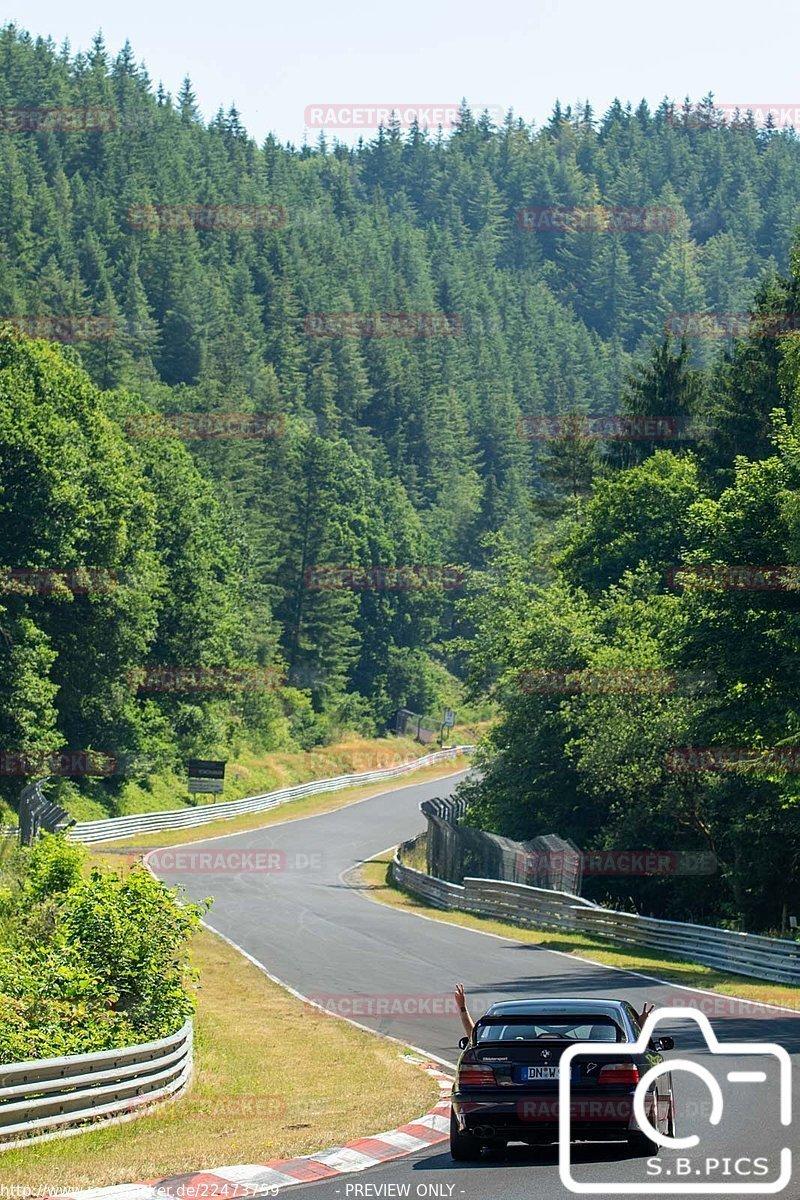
(535, 1117)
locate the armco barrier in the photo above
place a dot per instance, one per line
(750, 954)
(56, 1097)
(114, 828)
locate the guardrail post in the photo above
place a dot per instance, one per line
(36, 812)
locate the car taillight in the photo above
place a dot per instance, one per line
(619, 1073)
(473, 1075)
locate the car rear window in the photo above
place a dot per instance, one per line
(583, 1028)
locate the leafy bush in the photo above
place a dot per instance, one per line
(90, 962)
(54, 866)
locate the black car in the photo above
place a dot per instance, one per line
(507, 1080)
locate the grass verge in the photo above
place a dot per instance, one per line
(251, 772)
(374, 878)
(307, 806)
(273, 1079)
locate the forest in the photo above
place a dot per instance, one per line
(383, 440)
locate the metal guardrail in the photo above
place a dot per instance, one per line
(57, 1097)
(37, 812)
(776, 959)
(114, 828)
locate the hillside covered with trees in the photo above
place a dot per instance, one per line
(400, 451)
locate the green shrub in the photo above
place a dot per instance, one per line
(90, 962)
(54, 866)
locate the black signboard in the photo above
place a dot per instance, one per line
(205, 775)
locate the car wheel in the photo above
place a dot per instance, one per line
(640, 1145)
(463, 1146)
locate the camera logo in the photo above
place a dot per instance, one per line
(727, 1187)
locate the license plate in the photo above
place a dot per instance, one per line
(541, 1073)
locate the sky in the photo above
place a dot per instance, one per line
(293, 68)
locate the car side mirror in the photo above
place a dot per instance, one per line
(463, 1043)
(665, 1043)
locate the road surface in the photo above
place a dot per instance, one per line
(280, 895)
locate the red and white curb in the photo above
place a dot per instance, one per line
(259, 1179)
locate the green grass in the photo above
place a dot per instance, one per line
(273, 1079)
(250, 773)
(306, 806)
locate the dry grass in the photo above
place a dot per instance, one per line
(273, 1079)
(308, 806)
(374, 877)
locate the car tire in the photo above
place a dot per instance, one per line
(641, 1145)
(463, 1146)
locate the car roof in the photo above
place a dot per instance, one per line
(559, 1005)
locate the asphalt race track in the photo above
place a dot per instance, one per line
(296, 915)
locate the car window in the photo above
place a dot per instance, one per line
(634, 1020)
(596, 1029)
